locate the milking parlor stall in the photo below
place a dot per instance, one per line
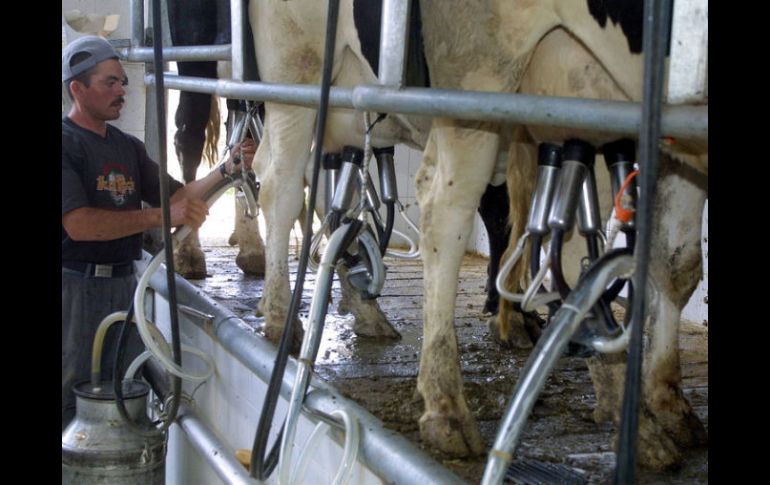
(473, 248)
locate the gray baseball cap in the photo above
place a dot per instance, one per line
(97, 48)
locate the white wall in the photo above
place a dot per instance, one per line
(132, 116)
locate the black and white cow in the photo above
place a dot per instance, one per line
(289, 43)
(483, 46)
(558, 47)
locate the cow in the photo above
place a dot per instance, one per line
(288, 42)
(558, 47)
(197, 120)
(484, 46)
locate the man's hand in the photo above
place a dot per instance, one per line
(246, 149)
(191, 212)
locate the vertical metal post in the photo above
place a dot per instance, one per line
(237, 18)
(393, 41)
(137, 23)
(151, 135)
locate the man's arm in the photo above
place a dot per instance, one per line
(92, 224)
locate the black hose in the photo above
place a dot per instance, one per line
(117, 381)
(535, 243)
(655, 35)
(261, 466)
(557, 241)
(592, 245)
(614, 290)
(168, 247)
(390, 217)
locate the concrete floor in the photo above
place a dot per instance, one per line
(382, 376)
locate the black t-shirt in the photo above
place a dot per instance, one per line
(112, 172)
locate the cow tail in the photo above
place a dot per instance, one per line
(212, 133)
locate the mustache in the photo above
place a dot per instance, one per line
(120, 100)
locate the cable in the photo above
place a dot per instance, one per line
(262, 466)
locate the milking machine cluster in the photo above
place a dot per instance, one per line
(580, 319)
(111, 439)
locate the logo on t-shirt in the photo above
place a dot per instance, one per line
(113, 179)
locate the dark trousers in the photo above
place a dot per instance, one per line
(85, 301)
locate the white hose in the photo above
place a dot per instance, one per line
(529, 300)
(144, 329)
(142, 323)
(352, 441)
(532, 299)
(414, 250)
(137, 362)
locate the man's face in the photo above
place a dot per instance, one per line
(103, 99)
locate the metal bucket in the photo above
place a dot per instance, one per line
(99, 447)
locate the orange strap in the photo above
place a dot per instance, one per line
(623, 214)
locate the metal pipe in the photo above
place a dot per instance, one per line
(178, 53)
(385, 452)
(236, 29)
(393, 42)
(298, 94)
(611, 116)
(137, 23)
(217, 454)
(310, 343)
(544, 356)
(690, 122)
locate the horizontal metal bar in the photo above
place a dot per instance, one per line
(298, 94)
(388, 454)
(622, 117)
(213, 451)
(613, 116)
(178, 53)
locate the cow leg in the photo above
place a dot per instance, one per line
(494, 213)
(191, 117)
(280, 160)
(251, 248)
(448, 191)
(675, 266)
(251, 256)
(512, 328)
(666, 420)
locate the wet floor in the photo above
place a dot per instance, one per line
(382, 376)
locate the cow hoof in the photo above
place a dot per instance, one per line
(451, 435)
(690, 431)
(274, 332)
(513, 336)
(682, 425)
(370, 322)
(491, 306)
(190, 262)
(233, 239)
(343, 308)
(251, 263)
(656, 450)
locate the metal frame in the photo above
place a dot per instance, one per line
(690, 122)
(387, 453)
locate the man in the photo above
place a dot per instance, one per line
(105, 175)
